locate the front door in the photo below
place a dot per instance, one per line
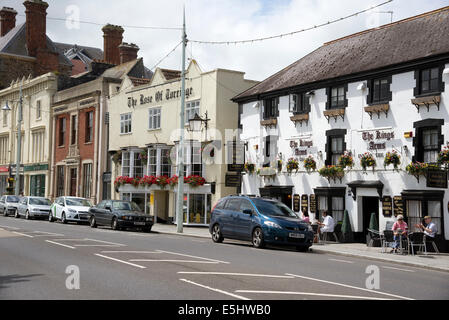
(73, 178)
(370, 205)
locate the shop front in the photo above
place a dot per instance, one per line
(35, 179)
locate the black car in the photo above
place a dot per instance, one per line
(119, 215)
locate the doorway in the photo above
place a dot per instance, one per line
(369, 205)
(73, 180)
(282, 194)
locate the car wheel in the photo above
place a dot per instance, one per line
(115, 224)
(258, 241)
(16, 214)
(93, 223)
(302, 248)
(27, 215)
(217, 237)
(63, 219)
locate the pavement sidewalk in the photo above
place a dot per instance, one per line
(439, 262)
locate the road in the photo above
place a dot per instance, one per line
(34, 256)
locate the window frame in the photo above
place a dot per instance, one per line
(89, 126)
(126, 123)
(192, 106)
(383, 97)
(270, 108)
(38, 110)
(299, 103)
(418, 143)
(330, 135)
(329, 92)
(62, 131)
(87, 180)
(418, 91)
(153, 114)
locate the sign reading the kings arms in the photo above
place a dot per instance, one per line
(159, 96)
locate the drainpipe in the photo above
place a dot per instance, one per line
(99, 148)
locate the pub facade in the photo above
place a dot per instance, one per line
(361, 130)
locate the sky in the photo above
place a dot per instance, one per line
(221, 20)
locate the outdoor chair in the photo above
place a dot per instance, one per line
(334, 234)
(416, 240)
(374, 236)
(388, 239)
(431, 240)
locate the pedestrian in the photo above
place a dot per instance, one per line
(400, 229)
(429, 228)
(327, 225)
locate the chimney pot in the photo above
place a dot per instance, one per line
(36, 26)
(7, 20)
(128, 52)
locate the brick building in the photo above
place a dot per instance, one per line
(25, 49)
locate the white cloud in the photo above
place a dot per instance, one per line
(224, 20)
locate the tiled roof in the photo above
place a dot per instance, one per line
(139, 81)
(171, 74)
(407, 40)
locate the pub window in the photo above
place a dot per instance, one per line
(417, 210)
(428, 140)
(429, 81)
(336, 97)
(333, 204)
(62, 130)
(299, 103)
(379, 91)
(271, 108)
(89, 126)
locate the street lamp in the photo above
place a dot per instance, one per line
(19, 138)
(195, 124)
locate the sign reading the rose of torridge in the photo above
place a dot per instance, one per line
(387, 206)
(305, 202)
(296, 203)
(312, 203)
(398, 206)
(159, 96)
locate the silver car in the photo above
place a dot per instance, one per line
(34, 207)
(8, 205)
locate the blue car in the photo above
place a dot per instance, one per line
(259, 220)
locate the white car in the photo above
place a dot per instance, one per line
(70, 209)
(8, 205)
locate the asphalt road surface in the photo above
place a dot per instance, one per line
(35, 256)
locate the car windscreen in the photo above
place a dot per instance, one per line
(273, 209)
(12, 199)
(78, 202)
(40, 202)
(125, 206)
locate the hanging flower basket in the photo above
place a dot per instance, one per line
(367, 161)
(117, 157)
(332, 173)
(310, 164)
(392, 158)
(346, 161)
(443, 156)
(250, 168)
(292, 165)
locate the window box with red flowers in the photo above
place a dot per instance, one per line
(443, 156)
(368, 161)
(162, 181)
(147, 181)
(195, 181)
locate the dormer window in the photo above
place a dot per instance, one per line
(337, 97)
(429, 81)
(270, 108)
(299, 103)
(379, 91)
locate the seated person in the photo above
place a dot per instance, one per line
(430, 229)
(400, 228)
(327, 225)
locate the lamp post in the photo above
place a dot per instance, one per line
(19, 138)
(180, 194)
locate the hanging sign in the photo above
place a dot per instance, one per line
(398, 206)
(296, 203)
(305, 203)
(312, 203)
(387, 206)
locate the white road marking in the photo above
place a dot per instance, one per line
(130, 252)
(393, 268)
(216, 290)
(14, 228)
(190, 256)
(60, 244)
(98, 245)
(338, 260)
(22, 234)
(121, 261)
(310, 294)
(118, 244)
(165, 260)
(236, 274)
(348, 286)
(44, 234)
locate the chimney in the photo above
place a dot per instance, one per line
(128, 52)
(36, 25)
(113, 37)
(7, 20)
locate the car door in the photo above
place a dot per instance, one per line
(243, 221)
(22, 206)
(228, 223)
(107, 213)
(59, 207)
(96, 211)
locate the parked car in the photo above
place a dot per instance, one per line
(70, 209)
(34, 207)
(119, 215)
(8, 205)
(259, 220)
